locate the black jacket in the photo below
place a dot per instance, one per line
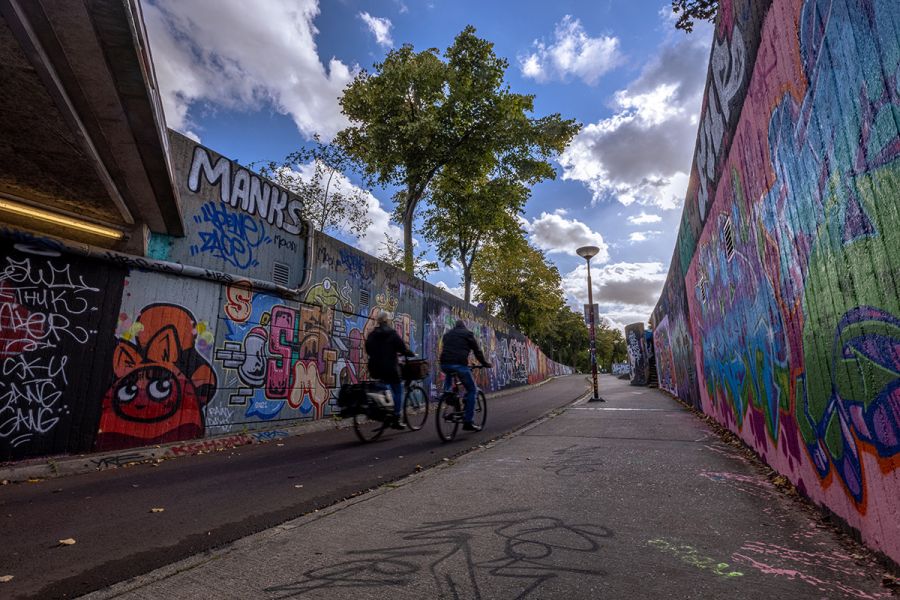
(457, 344)
(383, 345)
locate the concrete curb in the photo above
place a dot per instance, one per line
(59, 466)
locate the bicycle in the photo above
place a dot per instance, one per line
(372, 415)
(451, 409)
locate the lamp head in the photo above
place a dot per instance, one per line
(588, 252)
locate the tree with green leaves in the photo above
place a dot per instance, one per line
(327, 197)
(417, 114)
(691, 10)
(517, 283)
(464, 214)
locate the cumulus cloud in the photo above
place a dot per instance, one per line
(245, 58)
(372, 239)
(380, 28)
(643, 152)
(642, 236)
(458, 291)
(554, 233)
(571, 53)
(626, 292)
(644, 219)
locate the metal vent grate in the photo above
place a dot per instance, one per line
(701, 289)
(728, 236)
(364, 297)
(281, 274)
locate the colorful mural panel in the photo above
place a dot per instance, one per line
(792, 283)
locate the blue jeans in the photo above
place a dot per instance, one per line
(465, 376)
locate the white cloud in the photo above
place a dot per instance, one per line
(642, 154)
(458, 291)
(572, 53)
(626, 292)
(245, 58)
(380, 27)
(644, 219)
(642, 236)
(554, 233)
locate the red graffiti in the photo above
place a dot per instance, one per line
(161, 383)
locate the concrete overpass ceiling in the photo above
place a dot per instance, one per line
(81, 126)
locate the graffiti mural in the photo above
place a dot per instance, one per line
(638, 357)
(161, 382)
(792, 298)
(54, 314)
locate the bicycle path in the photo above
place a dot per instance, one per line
(634, 498)
(214, 498)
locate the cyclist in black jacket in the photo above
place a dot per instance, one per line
(455, 348)
(383, 346)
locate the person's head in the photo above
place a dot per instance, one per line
(383, 318)
(461, 324)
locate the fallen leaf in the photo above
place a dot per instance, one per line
(6, 578)
(155, 510)
(67, 542)
(279, 445)
(298, 486)
(35, 480)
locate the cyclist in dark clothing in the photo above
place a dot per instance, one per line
(384, 345)
(455, 348)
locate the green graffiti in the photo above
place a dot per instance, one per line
(691, 556)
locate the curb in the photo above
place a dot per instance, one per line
(63, 465)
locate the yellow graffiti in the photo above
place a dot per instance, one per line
(691, 556)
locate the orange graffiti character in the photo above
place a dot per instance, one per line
(161, 383)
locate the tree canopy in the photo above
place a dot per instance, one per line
(691, 10)
(419, 114)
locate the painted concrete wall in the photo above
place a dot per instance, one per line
(784, 293)
(638, 353)
(107, 353)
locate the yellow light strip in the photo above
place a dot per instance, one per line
(43, 215)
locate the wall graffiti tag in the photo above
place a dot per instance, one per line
(231, 236)
(50, 315)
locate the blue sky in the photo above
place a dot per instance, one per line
(255, 80)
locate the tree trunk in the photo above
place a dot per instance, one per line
(467, 282)
(408, 214)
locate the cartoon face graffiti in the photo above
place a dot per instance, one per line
(161, 383)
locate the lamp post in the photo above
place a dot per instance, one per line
(587, 253)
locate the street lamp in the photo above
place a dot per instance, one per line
(587, 253)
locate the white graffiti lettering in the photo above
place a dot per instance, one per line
(238, 187)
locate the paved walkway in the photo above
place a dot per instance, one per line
(634, 498)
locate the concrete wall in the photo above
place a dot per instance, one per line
(109, 352)
(638, 353)
(781, 313)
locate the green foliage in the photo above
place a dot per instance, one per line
(328, 201)
(465, 213)
(565, 338)
(517, 283)
(419, 114)
(701, 10)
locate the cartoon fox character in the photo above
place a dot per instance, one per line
(161, 385)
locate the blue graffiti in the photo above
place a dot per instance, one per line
(356, 266)
(233, 236)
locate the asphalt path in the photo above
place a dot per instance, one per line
(211, 499)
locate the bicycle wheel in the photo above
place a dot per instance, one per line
(415, 407)
(366, 428)
(480, 410)
(447, 419)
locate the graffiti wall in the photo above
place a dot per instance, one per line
(96, 355)
(236, 222)
(792, 279)
(56, 315)
(638, 353)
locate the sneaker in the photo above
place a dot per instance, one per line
(398, 424)
(470, 427)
